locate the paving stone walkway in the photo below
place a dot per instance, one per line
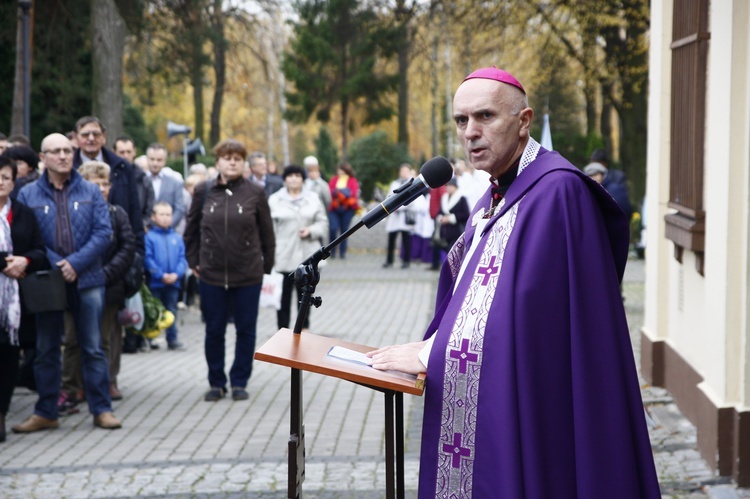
(174, 444)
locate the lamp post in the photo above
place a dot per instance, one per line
(25, 6)
(175, 129)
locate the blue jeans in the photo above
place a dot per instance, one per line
(86, 306)
(215, 303)
(168, 295)
(339, 221)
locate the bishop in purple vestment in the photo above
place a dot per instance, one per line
(531, 390)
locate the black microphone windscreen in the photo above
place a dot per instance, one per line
(436, 172)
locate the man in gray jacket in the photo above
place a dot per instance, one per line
(166, 188)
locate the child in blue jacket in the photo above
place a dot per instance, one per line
(166, 265)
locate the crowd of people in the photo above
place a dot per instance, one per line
(82, 215)
(78, 217)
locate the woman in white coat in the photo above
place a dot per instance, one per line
(299, 222)
(402, 221)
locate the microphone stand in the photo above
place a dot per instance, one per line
(306, 277)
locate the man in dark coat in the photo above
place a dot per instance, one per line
(92, 135)
(612, 180)
(125, 148)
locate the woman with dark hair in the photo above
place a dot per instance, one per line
(299, 222)
(344, 203)
(22, 250)
(27, 166)
(229, 243)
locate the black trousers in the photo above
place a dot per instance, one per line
(283, 316)
(8, 374)
(405, 240)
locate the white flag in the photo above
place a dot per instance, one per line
(546, 134)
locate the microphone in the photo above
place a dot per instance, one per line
(434, 173)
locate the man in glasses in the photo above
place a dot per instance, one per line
(92, 135)
(74, 223)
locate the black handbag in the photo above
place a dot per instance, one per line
(438, 241)
(44, 291)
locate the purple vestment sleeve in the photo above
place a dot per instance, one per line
(559, 412)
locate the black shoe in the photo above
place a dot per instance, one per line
(214, 394)
(66, 405)
(405, 265)
(433, 268)
(129, 349)
(154, 346)
(387, 264)
(175, 345)
(239, 394)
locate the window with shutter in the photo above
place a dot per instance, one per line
(687, 226)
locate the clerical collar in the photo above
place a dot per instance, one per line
(501, 185)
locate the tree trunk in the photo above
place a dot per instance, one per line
(196, 82)
(270, 119)
(344, 123)
(344, 104)
(435, 96)
(402, 18)
(108, 49)
(16, 124)
(605, 119)
(589, 95)
(449, 130)
(220, 69)
(278, 49)
(403, 95)
(634, 129)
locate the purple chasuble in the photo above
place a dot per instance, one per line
(532, 390)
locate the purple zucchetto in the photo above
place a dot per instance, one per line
(496, 74)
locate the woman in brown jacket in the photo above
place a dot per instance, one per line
(230, 244)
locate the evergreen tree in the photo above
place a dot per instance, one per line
(336, 60)
(375, 159)
(61, 90)
(325, 151)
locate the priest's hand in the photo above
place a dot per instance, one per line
(404, 358)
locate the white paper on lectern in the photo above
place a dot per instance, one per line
(349, 355)
(346, 355)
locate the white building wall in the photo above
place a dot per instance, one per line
(658, 252)
(717, 294)
(704, 318)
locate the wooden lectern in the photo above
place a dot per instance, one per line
(309, 352)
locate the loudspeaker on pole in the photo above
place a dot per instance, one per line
(175, 129)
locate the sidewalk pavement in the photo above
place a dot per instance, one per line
(173, 444)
